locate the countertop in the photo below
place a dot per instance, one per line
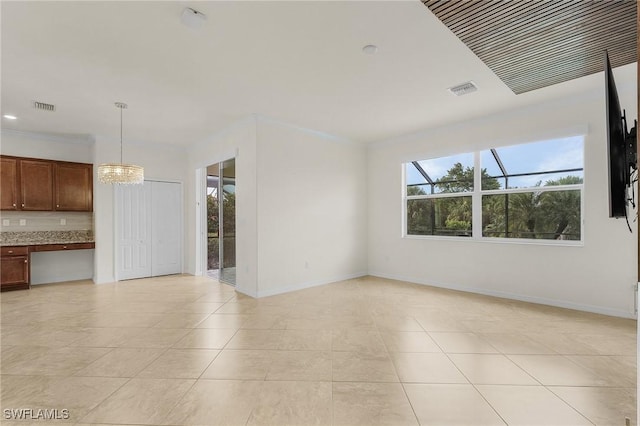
(44, 237)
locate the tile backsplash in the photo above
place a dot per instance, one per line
(45, 221)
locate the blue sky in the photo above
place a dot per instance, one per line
(556, 154)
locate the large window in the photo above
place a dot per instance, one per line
(530, 191)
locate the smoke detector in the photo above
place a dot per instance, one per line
(44, 106)
(463, 89)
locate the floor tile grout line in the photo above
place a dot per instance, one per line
(395, 369)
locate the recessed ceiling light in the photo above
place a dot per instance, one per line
(370, 49)
(192, 18)
(10, 117)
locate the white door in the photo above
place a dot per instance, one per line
(166, 223)
(133, 230)
(148, 229)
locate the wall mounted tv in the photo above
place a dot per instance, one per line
(622, 146)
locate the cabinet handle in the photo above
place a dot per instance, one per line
(10, 251)
(14, 204)
(57, 205)
(22, 204)
(64, 247)
(26, 261)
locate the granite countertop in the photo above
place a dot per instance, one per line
(44, 237)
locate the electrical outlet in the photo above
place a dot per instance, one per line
(6, 222)
(23, 222)
(63, 221)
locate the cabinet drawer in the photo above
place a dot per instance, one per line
(70, 246)
(14, 251)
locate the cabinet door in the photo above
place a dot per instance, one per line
(36, 185)
(9, 184)
(14, 272)
(73, 187)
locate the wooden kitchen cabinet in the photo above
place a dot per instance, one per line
(45, 185)
(36, 185)
(14, 268)
(9, 184)
(73, 187)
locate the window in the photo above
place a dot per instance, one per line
(530, 191)
(439, 198)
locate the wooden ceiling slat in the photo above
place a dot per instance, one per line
(563, 71)
(572, 69)
(575, 39)
(567, 27)
(527, 30)
(502, 21)
(454, 11)
(533, 44)
(567, 66)
(470, 16)
(569, 52)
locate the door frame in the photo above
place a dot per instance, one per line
(202, 246)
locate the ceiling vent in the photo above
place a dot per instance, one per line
(43, 106)
(463, 89)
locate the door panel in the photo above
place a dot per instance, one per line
(36, 185)
(133, 246)
(74, 187)
(166, 228)
(9, 184)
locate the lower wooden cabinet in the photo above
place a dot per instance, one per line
(15, 262)
(14, 268)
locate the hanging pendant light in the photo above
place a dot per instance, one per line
(120, 173)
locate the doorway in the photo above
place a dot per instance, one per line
(221, 221)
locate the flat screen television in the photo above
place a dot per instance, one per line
(622, 148)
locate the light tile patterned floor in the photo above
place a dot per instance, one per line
(184, 350)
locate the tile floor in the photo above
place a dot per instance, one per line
(185, 350)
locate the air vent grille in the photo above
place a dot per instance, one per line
(463, 89)
(44, 106)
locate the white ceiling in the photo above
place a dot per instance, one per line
(299, 62)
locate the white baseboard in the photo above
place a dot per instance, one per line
(309, 284)
(523, 298)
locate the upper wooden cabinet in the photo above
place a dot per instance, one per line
(36, 185)
(45, 185)
(73, 187)
(9, 184)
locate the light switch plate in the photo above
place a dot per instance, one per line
(6, 222)
(23, 222)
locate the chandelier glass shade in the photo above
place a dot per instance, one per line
(120, 173)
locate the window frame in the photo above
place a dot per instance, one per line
(476, 206)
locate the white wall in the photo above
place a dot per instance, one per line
(160, 162)
(312, 217)
(36, 145)
(239, 142)
(598, 276)
(50, 267)
(300, 205)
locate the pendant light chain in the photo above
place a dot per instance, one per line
(121, 108)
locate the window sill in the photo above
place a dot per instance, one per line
(490, 240)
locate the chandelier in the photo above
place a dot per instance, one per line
(120, 173)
